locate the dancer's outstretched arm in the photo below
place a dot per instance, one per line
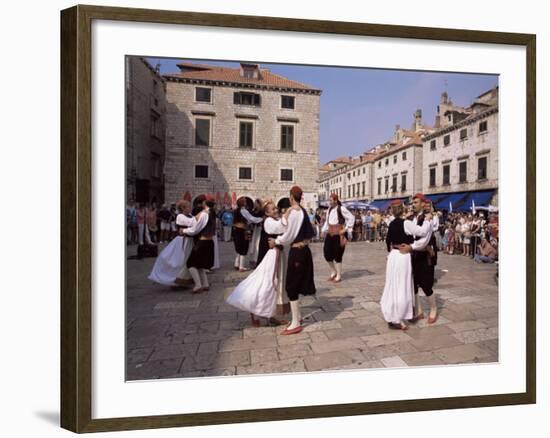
(251, 219)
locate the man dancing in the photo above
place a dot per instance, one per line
(337, 230)
(422, 262)
(299, 276)
(241, 234)
(253, 248)
(202, 254)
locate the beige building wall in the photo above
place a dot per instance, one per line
(145, 143)
(469, 150)
(224, 156)
(407, 162)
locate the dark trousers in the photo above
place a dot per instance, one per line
(423, 272)
(300, 273)
(332, 250)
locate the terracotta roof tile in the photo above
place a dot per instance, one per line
(233, 75)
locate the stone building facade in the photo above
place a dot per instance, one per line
(389, 170)
(462, 155)
(145, 132)
(398, 165)
(240, 132)
(456, 160)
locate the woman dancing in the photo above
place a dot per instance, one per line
(398, 296)
(257, 294)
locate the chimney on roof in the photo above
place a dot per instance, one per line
(250, 71)
(444, 97)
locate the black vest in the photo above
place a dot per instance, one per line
(396, 233)
(210, 229)
(419, 222)
(263, 245)
(306, 231)
(238, 218)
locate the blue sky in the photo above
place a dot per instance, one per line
(360, 107)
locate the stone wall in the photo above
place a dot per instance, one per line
(224, 156)
(476, 145)
(145, 97)
(410, 166)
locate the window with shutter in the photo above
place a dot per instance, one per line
(202, 132)
(287, 137)
(446, 175)
(462, 171)
(245, 173)
(244, 98)
(286, 175)
(432, 177)
(201, 171)
(245, 134)
(203, 94)
(482, 168)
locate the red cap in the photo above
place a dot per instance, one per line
(421, 197)
(210, 197)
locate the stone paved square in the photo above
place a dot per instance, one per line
(171, 333)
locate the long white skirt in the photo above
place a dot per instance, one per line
(257, 293)
(216, 253)
(170, 261)
(398, 297)
(254, 246)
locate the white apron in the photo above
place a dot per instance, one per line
(398, 296)
(258, 293)
(171, 261)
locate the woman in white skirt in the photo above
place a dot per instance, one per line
(257, 293)
(398, 296)
(170, 263)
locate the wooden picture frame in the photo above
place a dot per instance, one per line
(76, 218)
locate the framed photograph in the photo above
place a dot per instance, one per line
(268, 218)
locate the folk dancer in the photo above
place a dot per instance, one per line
(398, 296)
(241, 233)
(338, 231)
(258, 293)
(299, 275)
(422, 262)
(170, 266)
(283, 305)
(256, 232)
(202, 254)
